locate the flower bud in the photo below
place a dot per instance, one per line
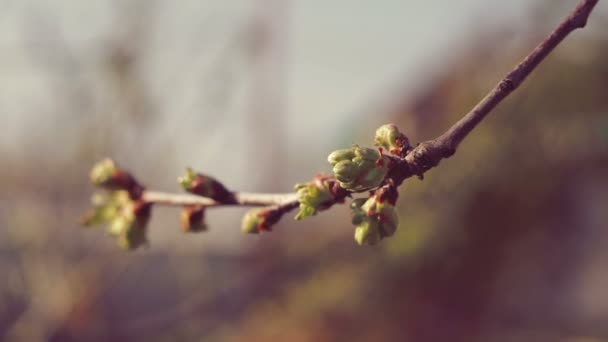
(367, 232)
(126, 219)
(106, 207)
(134, 233)
(389, 137)
(205, 186)
(384, 213)
(107, 175)
(340, 155)
(359, 168)
(119, 225)
(313, 197)
(373, 220)
(346, 171)
(257, 220)
(193, 219)
(102, 172)
(252, 220)
(133, 238)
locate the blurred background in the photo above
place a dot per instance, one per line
(505, 241)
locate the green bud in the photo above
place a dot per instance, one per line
(133, 237)
(135, 233)
(106, 206)
(389, 220)
(120, 225)
(359, 168)
(367, 232)
(107, 175)
(205, 186)
(347, 171)
(339, 155)
(389, 137)
(186, 182)
(313, 197)
(373, 220)
(103, 172)
(126, 219)
(252, 221)
(257, 220)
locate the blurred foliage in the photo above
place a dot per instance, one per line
(504, 241)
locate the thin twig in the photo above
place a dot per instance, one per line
(428, 154)
(242, 199)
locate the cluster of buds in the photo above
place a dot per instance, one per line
(123, 208)
(206, 186)
(359, 168)
(389, 138)
(320, 194)
(126, 219)
(374, 219)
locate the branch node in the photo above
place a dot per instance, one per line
(507, 85)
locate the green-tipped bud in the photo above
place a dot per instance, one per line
(103, 172)
(106, 207)
(120, 225)
(373, 220)
(318, 195)
(389, 220)
(359, 168)
(193, 219)
(389, 137)
(187, 181)
(346, 171)
(133, 238)
(337, 156)
(384, 213)
(252, 221)
(313, 197)
(367, 233)
(134, 234)
(107, 175)
(257, 220)
(126, 219)
(205, 186)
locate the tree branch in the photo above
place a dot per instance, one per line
(428, 154)
(356, 170)
(242, 199)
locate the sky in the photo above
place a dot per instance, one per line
(338, 53)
